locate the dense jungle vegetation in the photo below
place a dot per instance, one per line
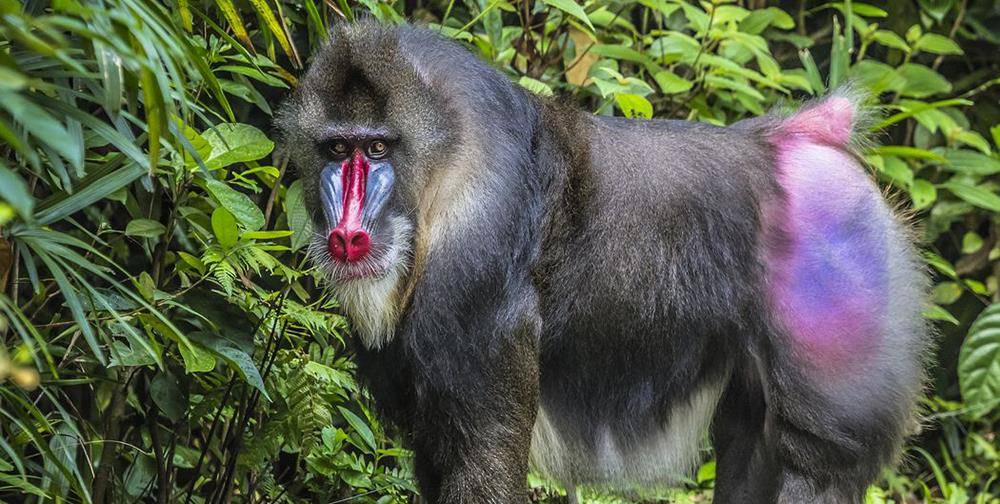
(163, 338)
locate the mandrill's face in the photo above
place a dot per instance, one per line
(351, 158)
(364, 232)
(364, 140)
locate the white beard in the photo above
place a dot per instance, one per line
(371, 302)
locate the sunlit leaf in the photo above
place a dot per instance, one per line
(573, 9)
(239, 204)
(979, 196)
(224, 227)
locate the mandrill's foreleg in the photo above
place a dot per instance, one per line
(475, 395)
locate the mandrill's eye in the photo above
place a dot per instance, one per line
(377, 149)
(339, 148)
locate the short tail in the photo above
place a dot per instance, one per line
(840, 120)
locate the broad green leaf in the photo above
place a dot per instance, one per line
(239, 204)
(978, 196)
(126, 356)
(725, 14)
(941, 264)
(759, 19)
(235, 143)
(946, 293)
(535, 86)
(876, 76)
(935, 312)
(605, 18)
(196, 359)
(921, 81)
(969, 162)
(623, 53)
(923, 193)
(937, 44)
(242, 363)
(891, 39)
(706, 472)
(973, 139)
(224, 228)
(572, 8)
(631, 85)
(898, 171)
(971, 242)
(140, 475)
(671, 83)
(192, 261)
(634, 106)
(979, 363)
(145, 228)
(916, 108)
(719, 81)
(359, 426)
(63, 451)
(697, 18)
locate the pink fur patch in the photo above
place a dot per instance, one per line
(828, 122)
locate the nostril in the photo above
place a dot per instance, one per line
(348, 246)
(358, 245)
(337, 244)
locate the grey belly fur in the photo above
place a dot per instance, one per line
(662, 457)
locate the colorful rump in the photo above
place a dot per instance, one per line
(841, 274)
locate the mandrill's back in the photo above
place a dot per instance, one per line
(666, 215)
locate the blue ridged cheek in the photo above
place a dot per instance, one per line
(381, 180)
(331, 193)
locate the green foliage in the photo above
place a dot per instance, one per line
(162, 337)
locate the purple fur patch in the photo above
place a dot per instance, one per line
(826, 253)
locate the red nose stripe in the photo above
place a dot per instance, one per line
(354, 176)
(349, 242)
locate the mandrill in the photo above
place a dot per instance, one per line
(593, 297)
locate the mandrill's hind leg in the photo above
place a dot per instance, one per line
(831, 386)
(796, 440)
